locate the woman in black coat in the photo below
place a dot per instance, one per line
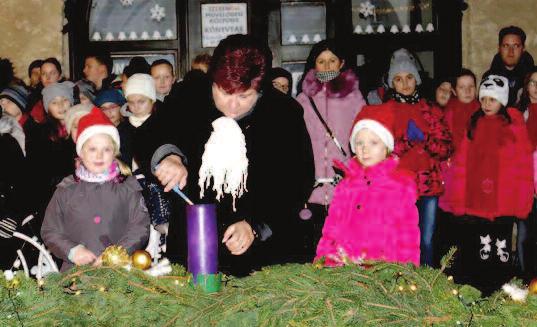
(265, 228)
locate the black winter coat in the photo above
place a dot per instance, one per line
(51, 160)
(280, 171)
(15, 203)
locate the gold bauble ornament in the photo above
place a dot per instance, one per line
(115, 255)
(532, 288)
(141, 259)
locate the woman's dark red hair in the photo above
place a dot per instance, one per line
(240, 62)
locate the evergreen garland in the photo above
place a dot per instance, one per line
(375, 294)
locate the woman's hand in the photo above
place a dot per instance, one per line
(238, 237)
(171, 172)
(83, 256)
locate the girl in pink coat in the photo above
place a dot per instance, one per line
(373, 214)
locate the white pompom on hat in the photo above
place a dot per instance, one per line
(141, 84)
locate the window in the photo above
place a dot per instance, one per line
(303, 23)
(132, 20)
(392, 16)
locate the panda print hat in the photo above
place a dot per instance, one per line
(496, 87)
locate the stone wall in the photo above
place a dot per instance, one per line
(481, 23)
(31, 29)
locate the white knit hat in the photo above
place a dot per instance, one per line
(141, 84)
(495, 86)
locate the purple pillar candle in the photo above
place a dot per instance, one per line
(202, 235)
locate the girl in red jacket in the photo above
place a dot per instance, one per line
(373, 214)
(422, 141)
(491, 184)
(461, 107)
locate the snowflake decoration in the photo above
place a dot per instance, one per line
(158, 13)
(125, 3)
(367, 9)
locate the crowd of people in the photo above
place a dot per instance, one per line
(330, 176)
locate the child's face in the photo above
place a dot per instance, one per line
(10, 108)
(140, 105)
(84, 99)
(532, 88)
(404, 83)
(370, 150)
(112, 111)
(74, 129)
(98, 153)
(490, 106)
(49, 74)
(35, 76)
(443, 93)
(465, 89)
(58, 107)
(162, 74)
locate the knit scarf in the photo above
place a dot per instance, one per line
(112, 174)
(138, 121)
(531, 123)
(410, 99)
(482, 163)
(325, 77)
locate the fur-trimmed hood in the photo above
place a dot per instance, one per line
(9, 125)
(339, 87)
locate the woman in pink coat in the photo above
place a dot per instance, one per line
(373, 215)
(330, 97)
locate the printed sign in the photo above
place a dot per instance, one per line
(220, 20)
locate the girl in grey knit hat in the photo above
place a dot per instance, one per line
(57, 99)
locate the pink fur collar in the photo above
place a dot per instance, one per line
(339, 87)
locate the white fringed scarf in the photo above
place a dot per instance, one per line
(225, 160)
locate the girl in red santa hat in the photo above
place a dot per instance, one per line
(373, 215)
(101, 205)
(490, 183)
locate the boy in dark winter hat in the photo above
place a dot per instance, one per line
(110, 101)
(14, 101)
